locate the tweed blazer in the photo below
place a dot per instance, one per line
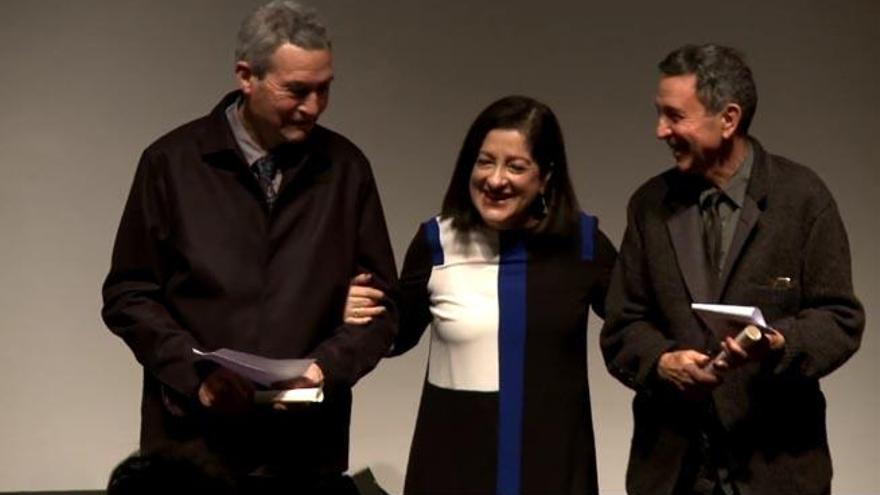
(789, 257)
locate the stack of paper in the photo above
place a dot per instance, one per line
(727, 319)
(267, 372)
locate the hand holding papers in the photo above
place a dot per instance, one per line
(746, 322)
(261, 370)
(748, 337)
(267, 372)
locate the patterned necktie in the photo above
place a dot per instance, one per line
(264, 169)
(713, 232)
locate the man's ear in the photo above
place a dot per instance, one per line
(730, 118)
(245, 77)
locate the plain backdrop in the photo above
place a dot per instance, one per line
(87, 84)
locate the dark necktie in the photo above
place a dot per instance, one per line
(265, 170)
(713, 235)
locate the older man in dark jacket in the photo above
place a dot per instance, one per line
(242, 230)
(731, 224)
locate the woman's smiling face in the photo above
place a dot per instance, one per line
(505, 181)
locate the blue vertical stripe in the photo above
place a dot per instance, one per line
(511, 349)
(588, 227)
(432, 232)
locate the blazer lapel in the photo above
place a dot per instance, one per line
(748, 218)
(751, 212)
(685, 232)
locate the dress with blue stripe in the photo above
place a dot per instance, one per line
(505, 407)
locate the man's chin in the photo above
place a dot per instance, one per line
(692, 167)
(684, 165)
(296, 134)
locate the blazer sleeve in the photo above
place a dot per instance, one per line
(828, 328)
(415, 313)
(353, 350)
(630, 339)
(134, 306)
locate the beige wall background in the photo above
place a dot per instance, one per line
(86, 85)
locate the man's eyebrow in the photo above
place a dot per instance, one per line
(307, 85)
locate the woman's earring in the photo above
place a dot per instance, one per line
(540, 208)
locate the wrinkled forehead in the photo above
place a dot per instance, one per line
(293, 63)
(676, 91)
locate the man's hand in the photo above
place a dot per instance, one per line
(775, 340)
(312, 377)
(226, 392)
(735, 354)
(362, 303)
(684, 369)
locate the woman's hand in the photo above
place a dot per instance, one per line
(362, 303)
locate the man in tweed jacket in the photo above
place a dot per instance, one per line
(731, 224)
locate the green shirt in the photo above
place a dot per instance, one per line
(729, 205)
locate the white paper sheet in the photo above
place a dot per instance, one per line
(259, 369)
(728, 319)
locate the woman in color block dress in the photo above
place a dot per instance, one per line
(504, 277)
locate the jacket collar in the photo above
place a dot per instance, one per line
(217, 137)
(684, 225)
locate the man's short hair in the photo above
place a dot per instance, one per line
(722, 77)
(274, 24)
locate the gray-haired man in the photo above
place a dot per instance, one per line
(242, 230)
(733, 224)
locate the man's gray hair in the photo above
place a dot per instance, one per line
(274, 24)
(722, 77)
